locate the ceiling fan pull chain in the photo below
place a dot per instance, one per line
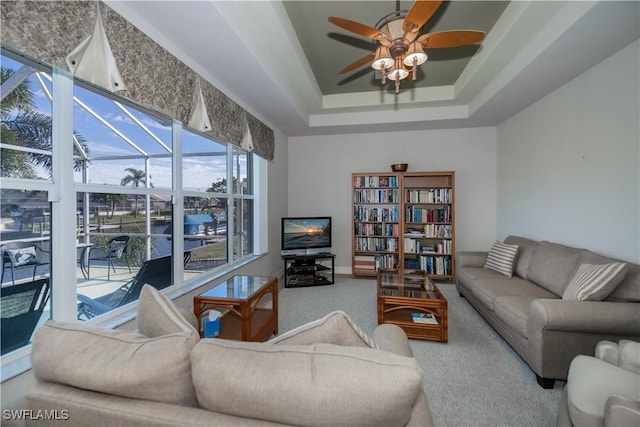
(414, 70)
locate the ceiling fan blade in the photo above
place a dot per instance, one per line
(358, 28)
(453, 38)
(359, 63)
(419, 14)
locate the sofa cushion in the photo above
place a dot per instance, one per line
(593, 282)
(334, 328)
(629, 288)
(552, 266)
(120, 363)
(487, 290)
(526, 249)
(157, 315)
(501, 258)
(590, 383)
(314, 385)
(629, 356)
(469, 274)
(514, 311)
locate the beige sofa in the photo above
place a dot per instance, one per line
(327, 372)
(530, 314)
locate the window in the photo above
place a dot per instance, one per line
(25, 146)
(129, 201)
(25, 210)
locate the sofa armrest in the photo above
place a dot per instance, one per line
(392, 338)
(471, 258)
(619, 411)
(596, 317)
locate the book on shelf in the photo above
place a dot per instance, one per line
(427, 318)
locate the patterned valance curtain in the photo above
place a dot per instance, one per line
(48, 30)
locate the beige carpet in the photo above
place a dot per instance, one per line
(475, 379)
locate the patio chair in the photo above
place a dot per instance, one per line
(21, 307)
(116, 249)
(155, 272)
(21, 255)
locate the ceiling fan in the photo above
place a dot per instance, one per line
(401, 48)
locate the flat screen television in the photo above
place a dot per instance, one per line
(306, 235)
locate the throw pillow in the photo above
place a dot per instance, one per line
(501, 258)
(629, 356)
(120, 363)
(22, 256)
(334, 328)
(158, 316)
(594, 282)
(314, 385)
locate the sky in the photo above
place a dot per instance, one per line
(198, 172)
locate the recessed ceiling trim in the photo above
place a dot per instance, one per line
(384, 97)
(398, 116)
(556, 25)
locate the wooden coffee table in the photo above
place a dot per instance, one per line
(401, 294)
(249, 305)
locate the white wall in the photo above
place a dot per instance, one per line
(569, 165)
(320, 169)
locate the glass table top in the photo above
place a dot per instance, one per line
(409, 284)
(237, 287)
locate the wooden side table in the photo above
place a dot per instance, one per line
(249, 305)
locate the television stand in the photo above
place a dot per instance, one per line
(308, 270)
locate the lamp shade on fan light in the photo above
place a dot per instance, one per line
(383, 57)
(415, 53)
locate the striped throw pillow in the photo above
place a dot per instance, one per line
(595, 282)
(501, 258)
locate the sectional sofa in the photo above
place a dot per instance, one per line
(326, 372)
(528, 309)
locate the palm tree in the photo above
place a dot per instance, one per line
(135, 177)
(23, 126)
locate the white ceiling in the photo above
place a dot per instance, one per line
(250, 51)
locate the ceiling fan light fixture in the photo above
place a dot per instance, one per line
(398, 74)
(402, 47)
(415, 55)
(382, 59)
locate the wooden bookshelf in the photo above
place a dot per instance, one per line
(405, 221)
(376, 222)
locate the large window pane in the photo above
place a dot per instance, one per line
(204, 164)
(117, 138)
(205, 215)
(25, 143)
(205, 232)
(243, 220)
(241, 167)
(116, 254)
(25, 224)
